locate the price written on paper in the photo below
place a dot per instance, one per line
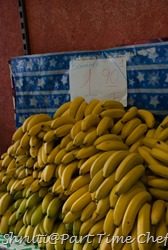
(99, 78)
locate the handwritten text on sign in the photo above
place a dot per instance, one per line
(99, 78)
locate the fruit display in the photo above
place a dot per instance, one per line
(95, 175)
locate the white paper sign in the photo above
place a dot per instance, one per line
(99, 78)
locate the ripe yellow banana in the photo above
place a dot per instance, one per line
(54, 207)
(59, 112)
(24, 142)
(86, 151)
(63, 130)
(160, 155)
(38, 118)
(112, 104)
(80, 112)
(105, 187)
(129, 127)
(132, 210)
(81, 202)
(62, 120)
(73, 197)
(74, 106)
(157, 211)
(161, 232)
(130, 114)
(48, 172)
(99, 162)
(139, 131)
(107, 137)
(45, 202)
(4, 226)
(89, 108)
(161, 145)
(159, 183)
(149, 141)
(79, 182)
(130, 178)
(17, 135)
(96, 181)
(113, 113)
(109, 226)
(6, 161)
(60, 154)
(159, 193)
(117, 127)
(86, 226)
(143, 225)
(76, 227)
(75, 129)
(124, 200)
(53, 153)
(67, 174)
(105, 124)
(154, 165)
(127, 163)
(90, 138)
(113, 197)
(112, 145)
(70, 217)
(88, 211)
(98, 108)
(48, 224)
(5, 202)
(113, 161)
(147, 117)
(97, 228)
(103, 206)
(89, 121)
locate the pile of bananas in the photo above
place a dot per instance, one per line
(93, 169)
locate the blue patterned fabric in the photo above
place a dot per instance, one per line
(41, 82)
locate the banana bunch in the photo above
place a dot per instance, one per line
(93, 168)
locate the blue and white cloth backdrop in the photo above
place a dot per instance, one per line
(41, 82)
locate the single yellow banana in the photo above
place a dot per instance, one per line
(38, 118)
(80, 114)
(96, 181)
(90, 106)
(114, 161)
(60, 154)
(86, 151)
(65, 140)
(143, 225)
(17, 135)
(160, 155)
(89, 121)
(97, 228)
(113, 197)
(147, 117)
(112, 104)
(86, 226)
(127, 163)
(81, 202)
(79, 182)
(53, 153)
(24, 142)
(70, 217)
(67, 174)
(159, 193)
(37, 215)
(124, 200)
(130, 179)
(130, 114)
(112, 145)
(154, 165)
(105, 187)
(90, 138)
(5, 202)
(105, 124)
(74, 106)
(103, 206)
(59, 112)
(113, 113)
(109, 226)
(75, 129)
(107, 137)
(117, 127)
(32, 200)
(136, 134)
(48, 172)
(88, 211)
(73, 197)
(157, 211)
(86, 165)
(4, 226)
(100, 162)
(129, 127)
(158, 183)
(63, 130)
(134, 147)
(132, 210)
